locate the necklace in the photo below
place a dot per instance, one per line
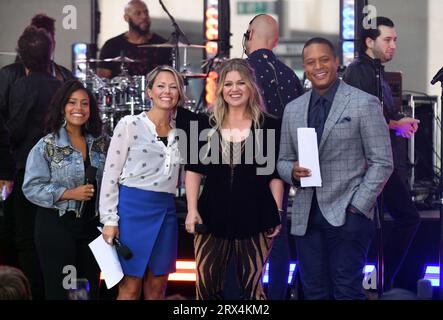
(231, 154)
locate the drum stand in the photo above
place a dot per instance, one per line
(175, 38)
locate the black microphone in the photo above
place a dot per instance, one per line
(122, 250)
(200, 228)
(438, 76)
(90, 175)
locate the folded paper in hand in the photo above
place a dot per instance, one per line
(308, 156)
(107, 259)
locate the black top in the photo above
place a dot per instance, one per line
(30, 99)
(150, 57)
(188, 121)
(236, 202)
(361, 74)
(164, 140)
(278, 83)
(11, 73)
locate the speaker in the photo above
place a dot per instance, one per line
(422, 147)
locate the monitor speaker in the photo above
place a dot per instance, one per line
(422, 146)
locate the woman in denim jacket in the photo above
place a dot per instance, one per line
(55, 180)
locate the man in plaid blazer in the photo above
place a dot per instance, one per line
(333, 224)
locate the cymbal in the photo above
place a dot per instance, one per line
(193, 75)
(171, 45)
(7, 53)
(121, 59)
(88, 60)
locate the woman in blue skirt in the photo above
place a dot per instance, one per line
(139, 184)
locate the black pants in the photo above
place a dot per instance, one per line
(397, 201)
(24, 222)
(331, 259)
(62, 245)
(8, 253)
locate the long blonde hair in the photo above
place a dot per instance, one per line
(255, 106)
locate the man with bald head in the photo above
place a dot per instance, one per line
(139, 23)
(279, 85)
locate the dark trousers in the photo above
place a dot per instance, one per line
(331, 259)
(24, 221)
(62, 245)
(8, 253)
(397, 201)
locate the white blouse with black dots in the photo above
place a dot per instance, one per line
(137, 158)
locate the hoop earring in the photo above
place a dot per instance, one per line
(87, 125)
(64, 123)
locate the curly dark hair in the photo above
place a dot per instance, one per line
(34, 48)
(55, 116)
(41, 20)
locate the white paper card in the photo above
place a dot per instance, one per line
(107, 260)
(308, 156)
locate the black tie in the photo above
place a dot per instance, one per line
(317, 117)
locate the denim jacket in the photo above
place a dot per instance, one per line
(54, 165)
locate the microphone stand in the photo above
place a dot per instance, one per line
(441, 199)
(439, 78)
(379, 212)
(175, 37)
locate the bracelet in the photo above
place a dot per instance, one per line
(281, 211)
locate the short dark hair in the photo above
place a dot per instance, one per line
(13, 284)
(34, 48)
(41, 20)
(318, 40)
(55, 116)
(373, 33)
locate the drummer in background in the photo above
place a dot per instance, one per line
(139, 22)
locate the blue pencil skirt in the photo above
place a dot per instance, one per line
(148, 226)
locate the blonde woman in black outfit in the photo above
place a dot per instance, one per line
(242, 194)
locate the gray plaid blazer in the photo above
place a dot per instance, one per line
(355, 156)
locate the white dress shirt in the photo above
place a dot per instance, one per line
(137, 158)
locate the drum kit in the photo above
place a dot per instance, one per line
(126, 94)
